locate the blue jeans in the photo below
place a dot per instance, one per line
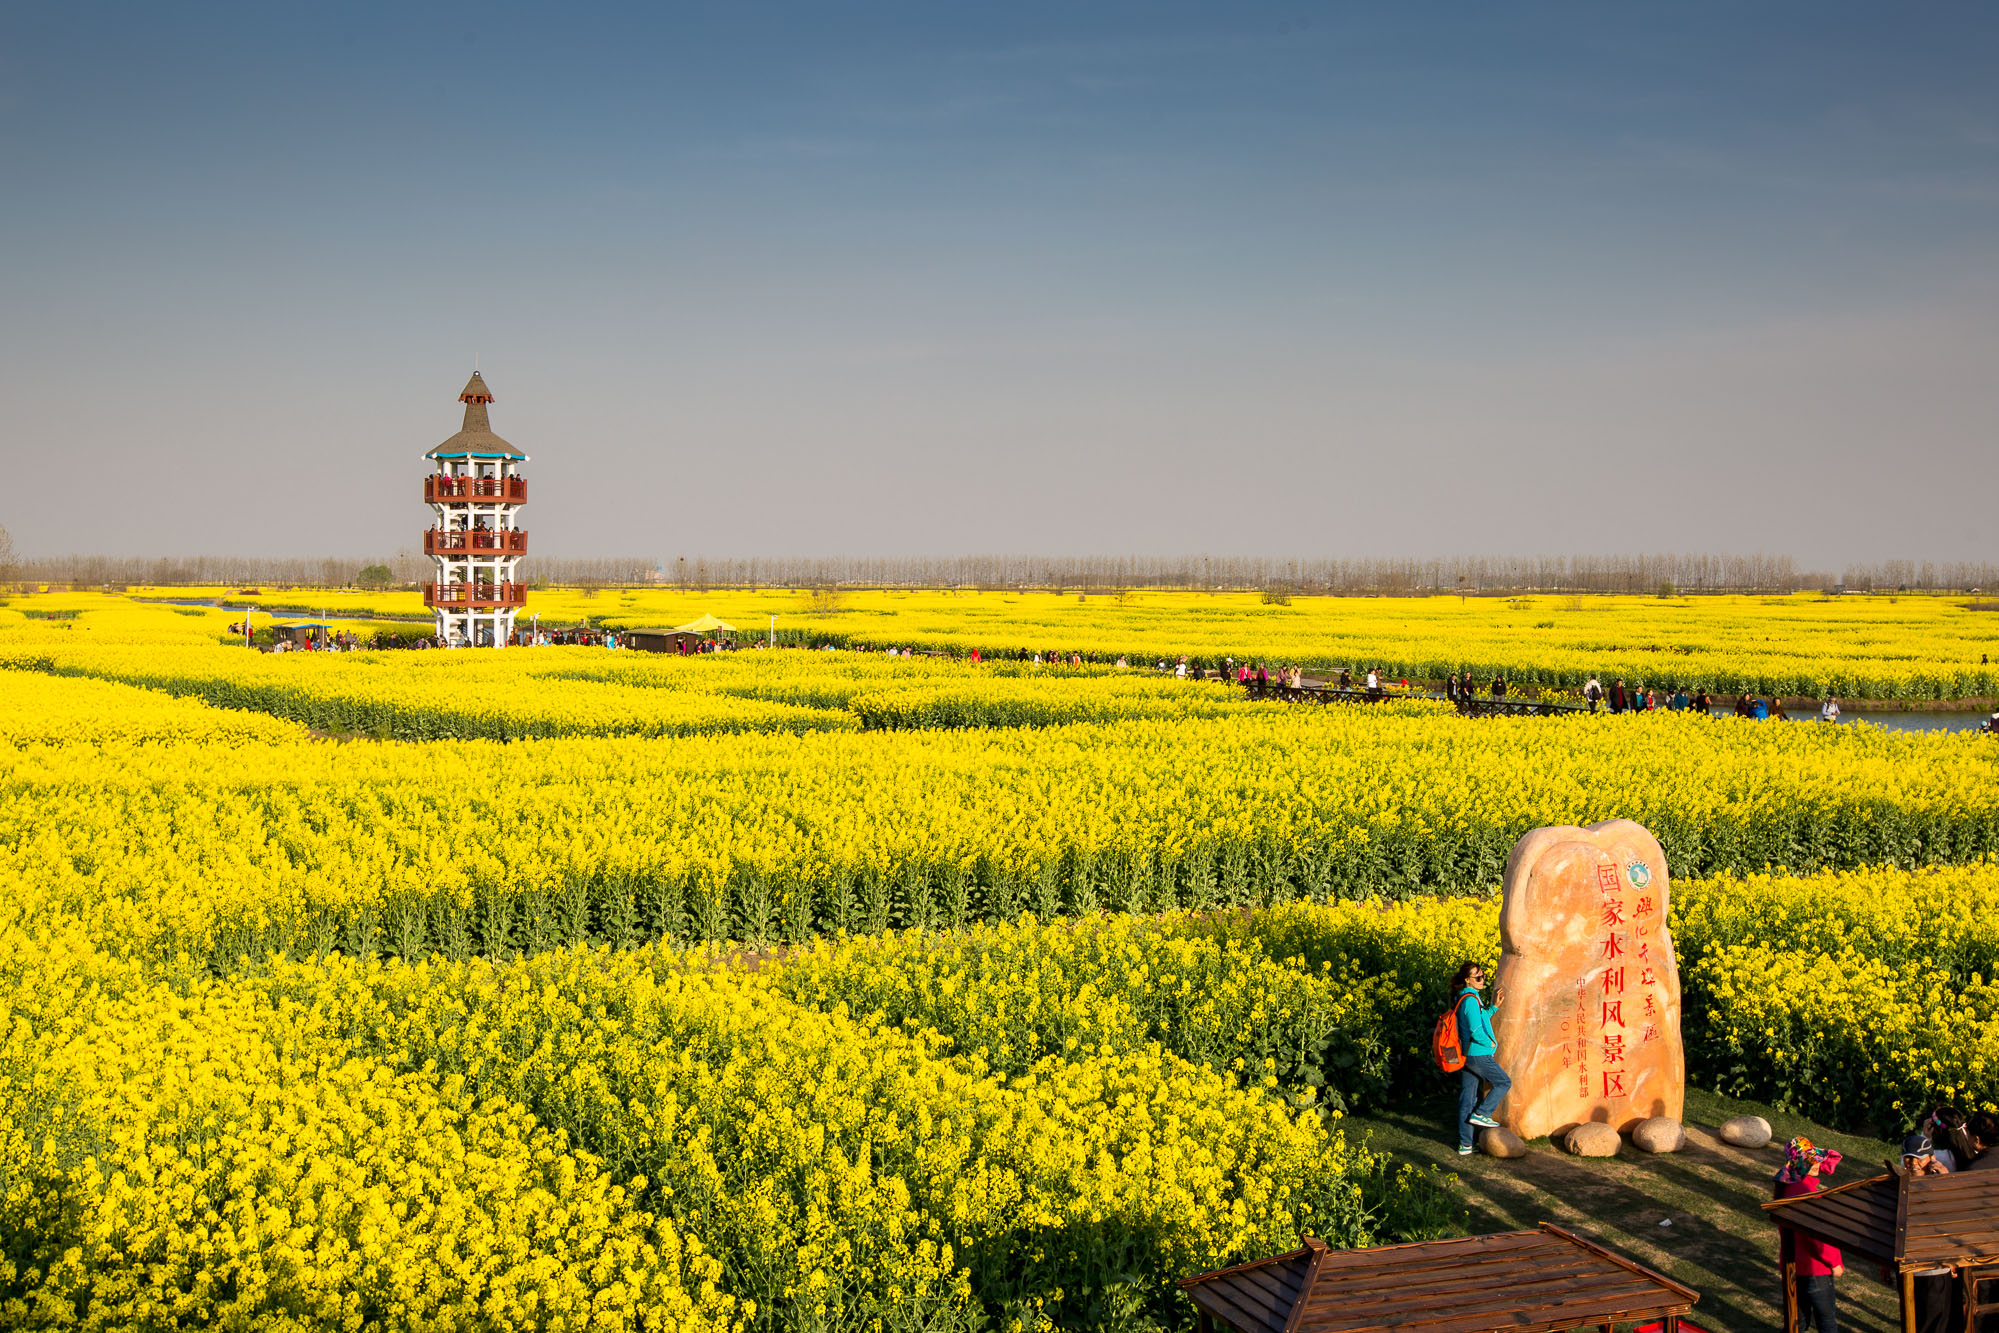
(1815, 1303)
(1479, 1067)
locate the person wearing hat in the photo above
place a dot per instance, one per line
(1936, 1293)
(1919, 1156)
(1814, 1263)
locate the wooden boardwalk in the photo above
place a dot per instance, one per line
(1477, 705)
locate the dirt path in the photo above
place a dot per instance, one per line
(1718, 1242)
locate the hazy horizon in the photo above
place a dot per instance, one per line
(896, 281)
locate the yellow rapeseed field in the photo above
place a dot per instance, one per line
(1874, 646)
(222, 848)
(434, 990)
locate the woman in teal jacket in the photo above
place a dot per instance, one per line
(1475, 1032)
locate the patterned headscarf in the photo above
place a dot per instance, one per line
(1799, 1158)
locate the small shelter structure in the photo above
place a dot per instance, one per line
(1536, 1281)
(1907, 1224)
(705, 625)
(299, 633)
(661, 640)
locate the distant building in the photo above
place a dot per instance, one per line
(477, 542)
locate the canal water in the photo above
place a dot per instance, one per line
(237, 604)
(1898, 721)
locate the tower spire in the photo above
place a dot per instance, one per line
(475, 398)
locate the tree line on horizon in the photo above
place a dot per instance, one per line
(1674, 573)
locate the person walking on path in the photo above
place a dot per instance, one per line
(1829, 710)
(1593, 692)
(1475, 1031)
(1812, 1262)
(1618, 699)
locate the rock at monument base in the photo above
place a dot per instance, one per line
(1745, 1131)
(1501, 1143)
(1661, 1133)
(1589, 1030)
(1592, 1140)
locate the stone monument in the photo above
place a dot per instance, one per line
(1590, 1027)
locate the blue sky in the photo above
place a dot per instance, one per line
(901, 279)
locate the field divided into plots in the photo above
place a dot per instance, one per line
(824, 990)
(1875, 647)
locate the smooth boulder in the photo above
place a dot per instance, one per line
(1746, 1131)
(1592, 1140)
(1661, 1133)
(1501, 1143)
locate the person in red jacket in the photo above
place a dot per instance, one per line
(1814, 1262)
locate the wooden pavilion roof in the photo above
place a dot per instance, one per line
(1518, 1281)
(1903, 1220)
(476, 439)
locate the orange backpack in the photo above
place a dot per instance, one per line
(1444, 1043)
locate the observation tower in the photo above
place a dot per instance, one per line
(476, 494)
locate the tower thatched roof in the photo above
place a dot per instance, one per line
(476, 439)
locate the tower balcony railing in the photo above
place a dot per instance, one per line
(474, 541)
(504, 490)
(474, 596)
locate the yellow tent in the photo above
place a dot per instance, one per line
(705, 625)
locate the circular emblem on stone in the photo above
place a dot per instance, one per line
(1639, 873)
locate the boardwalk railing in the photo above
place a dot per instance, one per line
(1475, 705)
